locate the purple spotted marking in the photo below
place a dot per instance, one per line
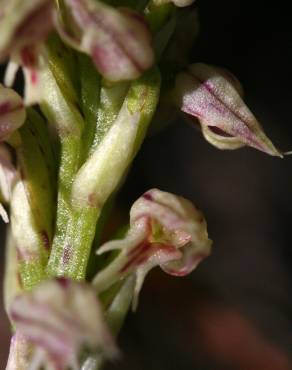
(148, 196)
(67, 253)
(63, 282)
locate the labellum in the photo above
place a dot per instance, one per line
(213, 96)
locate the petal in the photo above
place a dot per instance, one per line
(213, 97)
(59, 318)
(23, 24)
(118, 41)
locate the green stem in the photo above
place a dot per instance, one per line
(102, 173)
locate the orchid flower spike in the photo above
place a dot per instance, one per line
(166, 231)
(59, 318)
(118, 40)
(213, 96)
(23, 24)
(12, 112)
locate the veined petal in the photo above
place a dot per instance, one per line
(214, 99)
(59, 318)
(12, 112)
(22, 25)
(118, 41)
(166, 231)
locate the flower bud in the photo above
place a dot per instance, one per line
(213, 97)
(59, 318)
(166, 231)
(22, 25)
(12, 112)
(118, 41)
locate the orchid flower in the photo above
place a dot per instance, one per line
(119, 41)
(213, 97)
(59, 318)
(165, 230)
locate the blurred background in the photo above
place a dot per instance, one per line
(235, 311)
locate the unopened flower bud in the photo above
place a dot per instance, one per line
(213, 97)
(60, 318)
(22, 25)
(118, 41)
(12, 112)
(166, 231)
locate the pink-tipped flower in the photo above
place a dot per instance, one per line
(60, 318)
(213, 96)
(118, 40)
(166, 231)
(12, 112)
(24, 24)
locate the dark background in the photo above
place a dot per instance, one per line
(235, 311)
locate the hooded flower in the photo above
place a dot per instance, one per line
(165, 230)
(118, 40)
(213, 96)
(60, 318)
